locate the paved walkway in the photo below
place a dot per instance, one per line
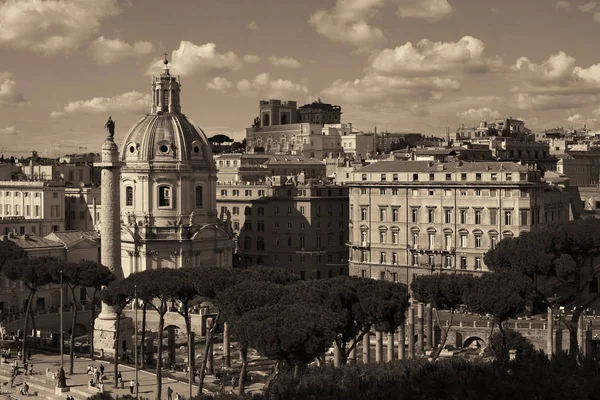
(79, 380)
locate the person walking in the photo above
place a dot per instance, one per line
(101, 369)
(131, 386)
(169, 393)
(28, 354)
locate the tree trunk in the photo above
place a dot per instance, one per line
(73, 323)
(143, 344)
(270, 379)
(116, 359)
(33, 321)
(353, 345)
(209, 338)
(26, 326)
(161, 326)
(491, 334)
(573, 339)
(243, 370)
(445, 332)
(93, 323)
(502, 341)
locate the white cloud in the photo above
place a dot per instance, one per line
(108, 51)
(555, 83)
(478, 114)
(9, 130)
(251, 58)
(9, 95)
(219, 84)
(428, 57)
(190, 58)
(494, 11)
(285, 62)
(126, 102)
(431, 10)
(373, 89)
(347, 23)
(52, 26)
(562, 4)
(420, 110)
(252, 25)
(587, 7)
(576, 118)
(273, 88)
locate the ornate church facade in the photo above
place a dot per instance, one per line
(168, 190)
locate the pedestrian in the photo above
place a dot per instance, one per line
(169, 393)
(101, 369)
(30, 369)
(131, 386)
(89, 370)
(28, 355)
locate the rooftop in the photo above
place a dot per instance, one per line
(69, 238)
(30, 241)
(428, 166)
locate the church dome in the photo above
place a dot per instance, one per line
(165, 135)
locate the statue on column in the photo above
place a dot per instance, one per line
(110, 127)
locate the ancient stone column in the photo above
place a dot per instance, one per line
(429, 339)
(390, 347)
(226, 345)
(402, 341)
(366, 348)
(581, 336)
(352, 355)
(171, 346)
(378, 346)
(421, 328)
(149, 348)
(337, 356)
(411, 332)
(110, 253)
(550, 334)
(210, 365)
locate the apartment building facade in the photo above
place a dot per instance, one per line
(417, 217)
(288, 222)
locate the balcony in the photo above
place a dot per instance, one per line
(415, 248)
(359, 245)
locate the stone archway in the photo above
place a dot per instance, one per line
(474, 342)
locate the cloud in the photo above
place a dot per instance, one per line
(555, 83)
(273, 88)
(429, 58)
(285, 62)
(126, 102)
(479, 114)
(9, 130)
(587, 7)
(108, 51)
(251, 58)
(420, 110)
(373, 89)
(494, 11)
(252, 25)
(576, 118)
(562, 4)
(431, 10)
(52, 26)
(190, 58)
(347, 23)
(9, 95)
(219, 84)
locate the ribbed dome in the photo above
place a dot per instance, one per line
(165, 137)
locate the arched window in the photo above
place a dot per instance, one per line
(129, 196)
(198, 196)
(165, 104)
(164, 196)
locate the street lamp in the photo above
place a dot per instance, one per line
(61, 321)
(135, 305)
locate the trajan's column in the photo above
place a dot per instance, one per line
(110, 242)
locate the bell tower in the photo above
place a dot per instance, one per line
(165, 92)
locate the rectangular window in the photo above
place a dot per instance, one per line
(494, 176)
(363, 214)
(477, 262)
(431, 241)
(463, 177)
(415, 177)
(37, 211)
(448, 216)
(477, 217)
(129, 196)
(382, 257)
(524, 193)
(524, 217)
(382, 214)
(395, 214)
(414, 212)
(363, 190)
(463, 262)
(364, 177)
(431, 177)
(394, 258)
(478, 176)
(302, 210)
(507, 217)
(463, 241)
(394, 192)
(477, 241)
(431, 215)
(463, 216)
(448, 261)
(395, 236)
(383, 177)
(509, 177)
(493, 216)
(382, 237)
(448, 241)
(395, 177)
(448, 177)
(415, 259)
(492, 192)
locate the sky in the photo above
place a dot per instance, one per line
(400, 65)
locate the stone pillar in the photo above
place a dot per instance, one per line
(378, 346)
(550, 334)
(390, 347)
(337, 356)
(421, 328)
(110, 254)
(411, 332)
(226, 345)
(210, 364)
(171, 346)
(402, 341)
(429, 339)
(366, 348)
(352, 355)
(581, 335)
(192, 356)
